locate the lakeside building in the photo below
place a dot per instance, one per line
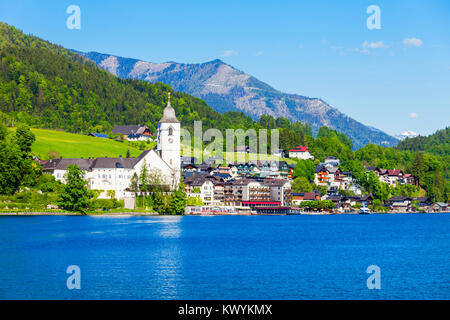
(213, 190)
(299, 197)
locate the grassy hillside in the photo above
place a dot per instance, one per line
(70, 145)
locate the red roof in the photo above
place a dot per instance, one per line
(394, 172)
(299, 149)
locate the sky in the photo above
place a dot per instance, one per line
(395, 78)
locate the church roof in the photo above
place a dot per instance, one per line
(169, 114)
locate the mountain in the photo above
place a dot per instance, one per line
(226, 89)
(406, 134)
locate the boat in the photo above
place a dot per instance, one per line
(364, 210)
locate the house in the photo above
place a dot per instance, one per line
(291, 168)
(139, 137)
(393, 177)
(245, 169)
(422, 204)
(440, 207)
(273, 169)
(399, 204)
(341, 202)
(298, 197)
(134, 132)
(236, 192)
(325, 176)
(364, 201)
(407, 179)
(280, 190)
(300, 152)
(223, 176)
(201, 185)
(114, 174)
(98, 135)
(240, 190)
(332, 161)
(188, 169)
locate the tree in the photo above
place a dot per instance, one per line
(75, 195)
(128, 153)
(305, 168)
(134, 184)
(418, 168)
(143, 179)
(16, 163)
(10, 174)
(177, 201)
(29, 172)
(301, 184)
(158, 202)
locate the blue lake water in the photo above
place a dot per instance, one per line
(223, 257)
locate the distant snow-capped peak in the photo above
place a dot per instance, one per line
(406, 134)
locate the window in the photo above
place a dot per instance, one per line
(170, 131)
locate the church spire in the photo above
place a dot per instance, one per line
(169, 114)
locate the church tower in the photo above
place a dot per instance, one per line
(168, 136)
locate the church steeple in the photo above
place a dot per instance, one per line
(169, 114)
(169, 139)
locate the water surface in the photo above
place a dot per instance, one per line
(226, 257)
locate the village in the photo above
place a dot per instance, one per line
(252, 187)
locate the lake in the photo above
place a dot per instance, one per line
(226, 257)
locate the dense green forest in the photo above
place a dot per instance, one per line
(437, 143)
(47, 86)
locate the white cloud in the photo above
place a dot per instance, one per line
(412, 42)
(374, 45)
(229, 53)
(259, 53)
(413, 115)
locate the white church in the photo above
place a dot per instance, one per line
(114, 174)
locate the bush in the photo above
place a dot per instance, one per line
(105, 204)
(47, 183)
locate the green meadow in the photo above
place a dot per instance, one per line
(71, 145)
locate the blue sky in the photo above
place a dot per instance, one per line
(396, 78)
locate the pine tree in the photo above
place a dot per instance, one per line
(418, 168)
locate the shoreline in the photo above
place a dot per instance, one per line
(154, 214)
